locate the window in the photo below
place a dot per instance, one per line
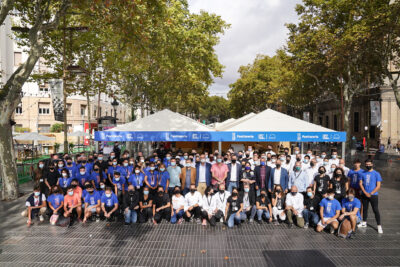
(44, 108)
(18, 110)
(99, 111)
(356, 122)
(69, 109)
(320, 120)
(17, 58)
(327, 121)
(44, 88)
(44, 128)
(95, 112)
(83, 110)
(335, 122)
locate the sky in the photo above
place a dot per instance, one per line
(257, 27)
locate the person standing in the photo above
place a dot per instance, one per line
(370, 184)
(298, 178)
(188, 176)
(321, 182)
(219, 172)
(279, 177)
(174, 176)
(354, 177)
(234, 174)
(203, 174)
(262, 173)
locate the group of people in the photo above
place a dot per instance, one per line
(307, 190)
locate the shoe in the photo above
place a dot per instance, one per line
(97, 219)
(221, 220)
(180, 221)
(362, 224)
(191, 219)
(198, 221)
(290, 225)
(259, 221)
(331, 230)
(306, 226)
(276, 222)
(41, 218)
(380, 231)
(79, 220)
(204, 223)
(251, 220)
(127, 224)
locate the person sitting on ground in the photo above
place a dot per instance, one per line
(278, 205)
(72, 204)
(36, 206)
(56, 201)
(109, 204)
(76, 188)
(92, 203)
(131, 205)
(294, 207)
(263, 207)
(234, 207)
(208, 207)
(221, 197)
(161, 206)
(178, 206)
(145, 206)
(351, 207)
(329, 212)
(311, 207)
(193, 201)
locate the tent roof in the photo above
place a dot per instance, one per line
(162, 121)
(33, 137)
(273, 121)
(226, 126)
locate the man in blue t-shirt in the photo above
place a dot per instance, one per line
(354, 176)
(329, 212)
(370, 184)
(351, 207)
(56, 201)
(109, 204)
(92, 203)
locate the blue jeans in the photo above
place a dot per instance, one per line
(231, 185)
(130, 216)
(307, 214)
(176, 216)
(233, 218)
(260, 213)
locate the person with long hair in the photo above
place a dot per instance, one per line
(339, 183)
(278, 204)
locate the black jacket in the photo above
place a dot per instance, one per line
(312, 204)
(252, 197)
(258, 176)
(131, 200)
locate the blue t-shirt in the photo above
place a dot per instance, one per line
(350, 205)
(64, 182)
(163, 178)
(330, 207)
(119, 183)
(112, 169)
(136, 179)
(72, 170)
(109, 201)
(82, 178)
(96, 178)
(152, 178)
(92, 199)
(370, 179)
(355, 177)
(55, 200)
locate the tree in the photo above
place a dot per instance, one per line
(56, 128)
(214, 109)
(39, 17)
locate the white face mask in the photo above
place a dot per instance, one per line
(82, 173)
(64, 174)
(331, 197)
(108, 195)
(137, 171)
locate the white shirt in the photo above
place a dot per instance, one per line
(221, 199)
(178, 202)
(192, 199)
(296, 202)
(334, 161)
(202, 173)
(277, 176)
(233, 172)
(246, 201)
(209, 204)
(311, 172)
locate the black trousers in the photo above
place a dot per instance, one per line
(145, 215)
(115, 214)
(195, 211)
(374, 204)
(163, 214)
(212, 221)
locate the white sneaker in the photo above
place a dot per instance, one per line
(41, 218)
(380, 231)
(362, 224)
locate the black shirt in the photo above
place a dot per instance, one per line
(312, 204)
(322, 183)
(146, 201)
(339, 187)
(52, 177)
(280, 202)
(131, 200)
(161, 201)
(263, 203)
(234, 204)
(103, 165)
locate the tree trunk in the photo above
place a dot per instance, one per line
(89, 125)
(347, 102)
(8, 170)
(396, 90)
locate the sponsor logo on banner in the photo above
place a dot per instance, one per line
(298, 136)
(272, 136)
(233, 137)
(261, 137)
(325, 136)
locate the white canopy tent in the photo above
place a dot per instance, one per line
(230, 123)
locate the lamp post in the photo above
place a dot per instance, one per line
(115, 104)
(367, 137)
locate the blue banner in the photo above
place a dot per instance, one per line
(222, 136)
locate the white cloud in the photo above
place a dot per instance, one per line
(257, 27)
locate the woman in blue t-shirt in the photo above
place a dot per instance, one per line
(56, 200)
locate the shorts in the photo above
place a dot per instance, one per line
(358, 218)
(93, 210)
(325, 225)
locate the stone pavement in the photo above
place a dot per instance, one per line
(189, 244)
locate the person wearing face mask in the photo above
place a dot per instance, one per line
(174, 176)
(97, 176)
(178, 206)
(72, 204)
(234, 208)
(221, 197)
(249, 177)
(249, 203)
(161, 206)
(278, 177)
(38, 176)
(102, 187)
(305, 164)
(111, 169)
(298, 178)
(331, 170)
(151, 179)
(311, 207)
(82, 176)
(351, 207)
(321, 182)
(51, 178)
(167, 160)
(146, 206)
(219, 172)
(60, 166)
(64, 181)
(109, 204)
(101, 163)
(36, 206)
(334, 159)
(262, 174)
(56, 203)
(234, 174)
(203, 174)
(119, 185)
(188, 176)
(278, 205)
(286, 163)
(92, 203)
(193, 202)
(208, 207)
(125, 169)
(329, 212)
(312, 171)
(354, 176)
(294, 207)
(370, 184)
(263, 207)
(131, 205)
(76, 188)
(339, 184)
(163, 177)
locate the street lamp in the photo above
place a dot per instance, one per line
(115, 104)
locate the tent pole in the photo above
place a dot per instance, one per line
(343, 149)
(220, 147)
(302, 148)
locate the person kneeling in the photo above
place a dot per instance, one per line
(56, 204)
(178, 206)
(193, 201)
(311, 203)
(351, 210)
(161, 206)
(294, 207)
(263, 207)
(109, 204)
(36, 206)
(146, 206)
(72, 204)
(92, 203)
(234, 208)
(131, 204)
(329, 212)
